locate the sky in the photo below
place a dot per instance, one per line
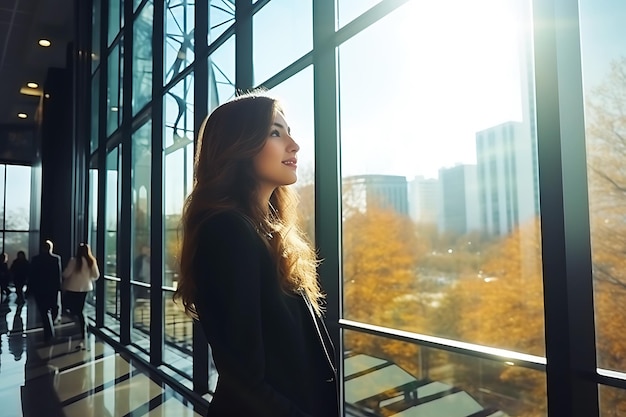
(416, 86)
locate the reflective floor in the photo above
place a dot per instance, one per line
(61, 379)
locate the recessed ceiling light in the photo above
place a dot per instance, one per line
(32, 85)
(22, 115)
(44, 42)
(47, 95)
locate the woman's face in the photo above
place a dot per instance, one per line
(276, 164)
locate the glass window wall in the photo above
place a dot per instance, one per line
(348, 10)
(295, 32)
(296, 96)
(95, 111)
(221, 85)
(142, 57)
(179, 37)
(115, 87)
(96, 16)
(604, 81)
(112, 208)
(177, 168)
(116, 18)
(140, 236)
(221, 17)
(440, 189)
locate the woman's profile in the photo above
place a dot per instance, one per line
(248, 274)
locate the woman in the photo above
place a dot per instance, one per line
(247, 273)
(78, 277)
(19, 271)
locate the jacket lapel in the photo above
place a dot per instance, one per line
(326, 343)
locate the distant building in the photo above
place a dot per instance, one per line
(424, 198)
(459, 210)
(508, 186)
(386, 191)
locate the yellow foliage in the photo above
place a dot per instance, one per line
(381, 251)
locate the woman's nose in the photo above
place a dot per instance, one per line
(294, 145)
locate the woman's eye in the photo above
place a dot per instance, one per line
(274, 133)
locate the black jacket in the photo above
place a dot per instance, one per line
(45, 277)
(273, 355)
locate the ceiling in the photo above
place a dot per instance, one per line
(22, 60)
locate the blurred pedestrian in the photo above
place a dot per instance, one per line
(45, 284)
(78, 277)
(19, 271)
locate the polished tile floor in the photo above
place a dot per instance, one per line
(60, 379)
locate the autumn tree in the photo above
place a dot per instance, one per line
(381, 251)
(606, 152)
(502, 306)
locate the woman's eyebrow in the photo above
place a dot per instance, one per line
(283, 127)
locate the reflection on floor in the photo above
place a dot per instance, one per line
(60, 379)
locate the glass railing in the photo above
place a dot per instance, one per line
(402, 374)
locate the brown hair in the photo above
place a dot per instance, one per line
(225, 179)
(83, 252)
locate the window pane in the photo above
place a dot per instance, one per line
(178, 336)
(2, 182)
(116, 18)
(17, 210)
(114, 88)
(348, 10)
(179, 41)
(296, 96)
(221, 17)
(96, 15)
(93, 208)
(604, 81)
(612, 401)
(112, 304)
(111, 213)
(295, 32)
(179, 128)
(177, 169)
(95, 111)
(461, 251)
(93, 226)
(140, 248)
(222, 74)
(388, 377)
(142, 58)
(14, 242)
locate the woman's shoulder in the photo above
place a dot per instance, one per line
(227, 222)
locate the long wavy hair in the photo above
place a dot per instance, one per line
(225, 180)
(83, 254)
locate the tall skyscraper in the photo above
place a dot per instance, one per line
(507, 177)
(506, 154)
(424, 199)
(459, 200)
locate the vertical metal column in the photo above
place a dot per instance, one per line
(567, 273)
(327, 167)
(102, 166)
(201, 91)
(244, 67)
(156, 192)
(126, 223)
